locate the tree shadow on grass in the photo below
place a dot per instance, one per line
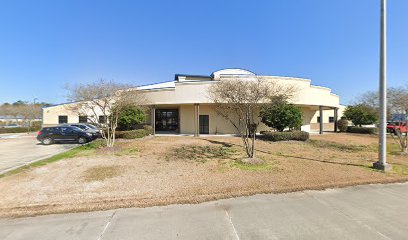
(323, 161)
(226, 144)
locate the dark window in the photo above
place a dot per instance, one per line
(167, 119)
(331, 119)
(318, 119)
(62, 119)
(55, 130)
(83, 119)
(67, 130)
(204, 124)
(47, 129)
(83, 127)
(102, 119)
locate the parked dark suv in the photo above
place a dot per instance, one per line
(50, 135)
(84, 127)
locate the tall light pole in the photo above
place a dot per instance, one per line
(382, 148)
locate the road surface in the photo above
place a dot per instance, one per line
(362, 212)
(19, 149)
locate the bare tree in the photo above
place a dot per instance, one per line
(397, 103)
(239, 101)
(29, 112)
(10, 110)
(371, 99)
(398, 98)
(23, 112)
(102, 102)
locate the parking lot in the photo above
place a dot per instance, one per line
(18, 149)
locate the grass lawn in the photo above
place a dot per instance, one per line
(167, 170)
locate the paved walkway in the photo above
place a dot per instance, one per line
(21, 148)
(362, 212)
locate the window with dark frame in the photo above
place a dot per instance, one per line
(318, 119)
(83, 119)
(331, 119)
(167, 119)
(102, 119)
(62, 119)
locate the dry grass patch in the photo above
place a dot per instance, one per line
(265, 166)
(199, 153)
(169, 170)
(102, 173)
(342, 146)
(131, 151)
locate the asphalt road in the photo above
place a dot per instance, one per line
(22, 148)
(362, 212)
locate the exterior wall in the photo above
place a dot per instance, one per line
(327, 126)
(50, 114)
(315, 127)
(185, 93)
(186, 114)
(197, 92)
(219, 125)
(307, 115)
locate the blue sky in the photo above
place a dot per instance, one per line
(46, 44)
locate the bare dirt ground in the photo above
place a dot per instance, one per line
(168, 170)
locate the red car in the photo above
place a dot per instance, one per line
(392, 127)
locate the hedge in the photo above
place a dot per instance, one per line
(18, 130)
(148, 129)
(362, 130)
(139, 133)
(285, 136)
(342, 124)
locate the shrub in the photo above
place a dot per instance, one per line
(281, 115)
(36, 125)
(132, 134)
(130, 118)
(148, 129)
(342, 124)
(362, 130)
(285, 136)
(18, 130)
(361, 114)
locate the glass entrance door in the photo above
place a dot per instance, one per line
(204, 124)
(167, 120)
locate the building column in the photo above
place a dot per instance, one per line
(336, 110)
(196, 120)
(321, 119)
(153, 119)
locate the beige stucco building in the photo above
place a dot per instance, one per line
(183, 105)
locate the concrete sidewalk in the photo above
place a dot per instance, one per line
(362, 212)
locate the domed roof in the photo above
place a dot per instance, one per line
(231, 72)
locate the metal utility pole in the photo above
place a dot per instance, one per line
(382, 148)
(32, 115)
